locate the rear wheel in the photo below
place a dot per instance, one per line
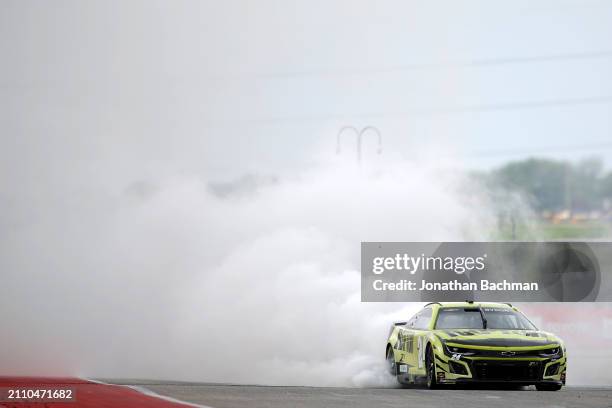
(548, 387)
(431, 369)
(392, 366)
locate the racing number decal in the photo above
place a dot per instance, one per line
(420, 351)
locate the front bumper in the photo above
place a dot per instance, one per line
(500, 370)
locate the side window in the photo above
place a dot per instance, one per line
(412, 320)
(423, 319)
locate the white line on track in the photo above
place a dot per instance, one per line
(150, 393)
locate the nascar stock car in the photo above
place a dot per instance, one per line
(470, 342)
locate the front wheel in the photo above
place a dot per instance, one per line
(548, 387)
(431, 369)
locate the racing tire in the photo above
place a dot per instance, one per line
(392, 366)
(430, 368)
(548, 387)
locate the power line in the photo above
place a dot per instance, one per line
(426, 111)
(478, 62)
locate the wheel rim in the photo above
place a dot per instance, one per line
(391, 361)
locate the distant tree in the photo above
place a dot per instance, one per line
(606, 186)
(543, 180)
(586, 184)
(556, 185)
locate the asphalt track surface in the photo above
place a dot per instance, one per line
(239, 396)
(131, 393)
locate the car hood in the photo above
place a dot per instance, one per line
(497, 338)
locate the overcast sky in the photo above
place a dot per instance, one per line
(228, 87)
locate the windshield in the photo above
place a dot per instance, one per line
(472, 318)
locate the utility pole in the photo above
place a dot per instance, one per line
(567, 189)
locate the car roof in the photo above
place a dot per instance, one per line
(471, 304)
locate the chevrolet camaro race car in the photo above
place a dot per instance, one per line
(470, 342)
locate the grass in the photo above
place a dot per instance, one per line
(548, 231)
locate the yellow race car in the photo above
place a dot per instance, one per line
(471, 342)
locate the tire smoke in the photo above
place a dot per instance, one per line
(169, 279)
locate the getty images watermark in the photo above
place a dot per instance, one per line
(495, 271)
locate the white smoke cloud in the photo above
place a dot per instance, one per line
(166, 279)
